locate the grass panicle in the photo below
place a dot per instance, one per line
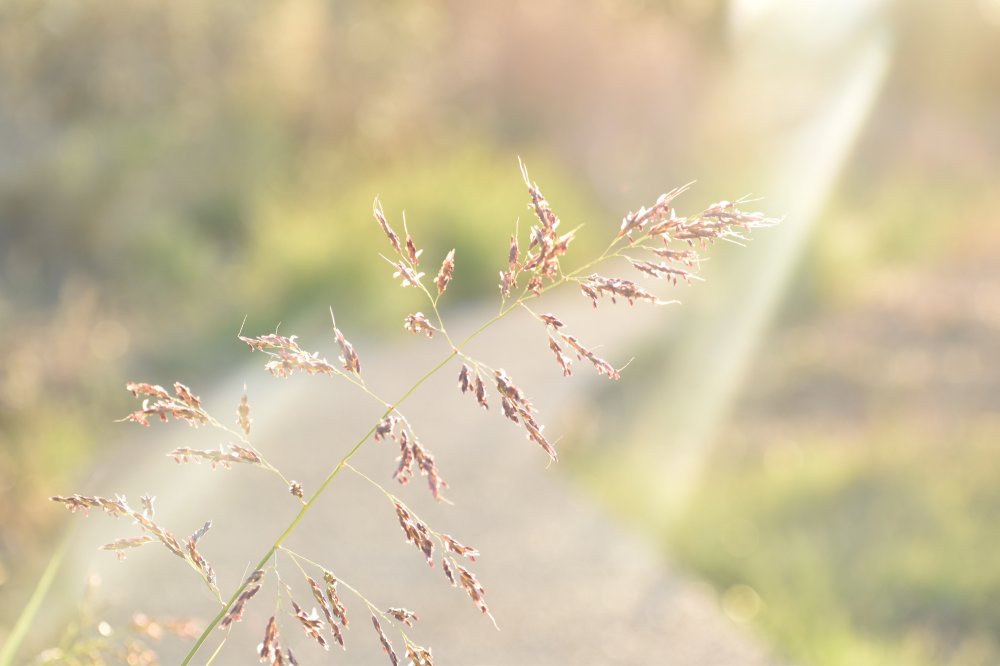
(656, 242)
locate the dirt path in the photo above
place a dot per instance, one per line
(566, 584)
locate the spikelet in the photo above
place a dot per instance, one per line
(235, 613)
(416, 532)
(407, 276)
(545, 248)
(455, 547)
(327, 608)
(331, 594)
(243, 414)
(468, 380)
(417, 655)
(561, 359)
(386, 645)
(412, 253)
(270, 648)
(405, 616)
(119, 507)
(287, 356)
(311, 624)
(519, 409)
(224, 457)
(661, 211)
(595, 286)
(184, 405)
(662, 270)
(418, 323)
(121, 545)
(602, 366)
(348, 357)
(390, 234)
(411, 451)
(467, 581)
(202, 565)
(445, 273)
(386, 428)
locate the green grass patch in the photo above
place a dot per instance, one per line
(860, 555)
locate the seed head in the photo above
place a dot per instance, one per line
(311, 624)
(419, 656)
(418, 323)
(348, 357)
(243, 414)
(390, 234)
(235, 613)
(405, 616)
(445, 273)
(386, 645)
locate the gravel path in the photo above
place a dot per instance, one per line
(566, 583)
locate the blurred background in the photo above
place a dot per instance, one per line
(816, 434)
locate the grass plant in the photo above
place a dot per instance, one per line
(656, 242)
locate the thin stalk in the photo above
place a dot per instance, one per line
(27, 616)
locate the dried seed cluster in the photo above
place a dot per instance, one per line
(270, 649)
(418, 323)
(331, 595)
(121, 545)
(554, 325)
(409, 259)
(405, 616)
(386, 645)
(287, 356)
(243, 414)
(327, 606)
(118, 508)
(595, 286)
(235, 613)
(467, 581)
(660, 215)
(454, 546)
(410, 452)
(445, 273)
(416, 532)
(225, 457)
(184, 405)
(516, 406)
(311, 624)
(196, 558)
(519, 409)
(417, 655)
(469, 380)
(348, 357)
(545, 247)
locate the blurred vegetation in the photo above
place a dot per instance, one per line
(858, 555)
(847, 512)
(169, 168)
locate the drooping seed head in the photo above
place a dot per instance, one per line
(386, 645)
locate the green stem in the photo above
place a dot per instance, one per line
(27, 616)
